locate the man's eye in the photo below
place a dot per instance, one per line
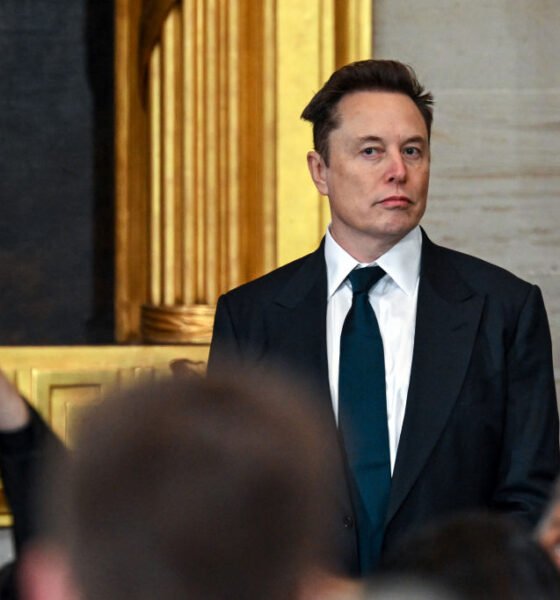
(412, 151)
(370, 151)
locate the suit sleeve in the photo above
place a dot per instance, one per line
(224, 348)
(530, 459)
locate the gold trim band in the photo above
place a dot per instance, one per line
(177, 324)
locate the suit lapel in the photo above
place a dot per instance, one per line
(300, 317)
(299, 320)
(448, 314)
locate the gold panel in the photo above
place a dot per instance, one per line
(212, 184)
(305, 59)
(61, 381)
(314, 38)
(61, 395)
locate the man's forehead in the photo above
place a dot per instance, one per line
(380, 109)
(373, 101)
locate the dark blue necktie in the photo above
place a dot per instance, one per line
(362, 416)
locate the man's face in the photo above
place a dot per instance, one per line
(378, 173)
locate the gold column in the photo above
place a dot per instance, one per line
(195, 201)
(224, 195)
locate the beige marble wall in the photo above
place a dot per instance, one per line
(493, 68)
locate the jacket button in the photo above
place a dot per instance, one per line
(348, 522)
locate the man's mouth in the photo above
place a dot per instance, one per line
(396, 202)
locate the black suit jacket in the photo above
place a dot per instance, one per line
(481, 421)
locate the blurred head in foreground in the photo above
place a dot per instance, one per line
(477, 557)
(187, 488)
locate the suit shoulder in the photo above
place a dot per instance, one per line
(484, 276)
(268, 285)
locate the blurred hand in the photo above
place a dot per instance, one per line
(14, 413)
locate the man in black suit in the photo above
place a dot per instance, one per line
(469, 399)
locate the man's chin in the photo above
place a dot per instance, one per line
(396, 231)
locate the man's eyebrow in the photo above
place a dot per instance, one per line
(369, 138)
(415, 139)
(375, 138)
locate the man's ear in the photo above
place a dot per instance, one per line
(318, 171)
(45, 574)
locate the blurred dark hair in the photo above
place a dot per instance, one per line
(363, 75)
(194, 488)
(479, 557)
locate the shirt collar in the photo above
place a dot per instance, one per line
(401, 262)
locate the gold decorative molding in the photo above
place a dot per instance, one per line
(353, 35)
(60, 381)
(174, 324)
(153, 16)
(131, 169)
(212, 184)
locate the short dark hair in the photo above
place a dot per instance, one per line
(363, 75)
(477, 556)
(194, 488)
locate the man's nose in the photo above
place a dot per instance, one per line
(396, 169)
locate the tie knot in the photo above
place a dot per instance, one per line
(364, 279)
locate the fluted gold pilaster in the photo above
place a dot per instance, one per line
(195, 206)
(353, 40)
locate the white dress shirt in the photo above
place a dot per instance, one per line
(394, 300)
